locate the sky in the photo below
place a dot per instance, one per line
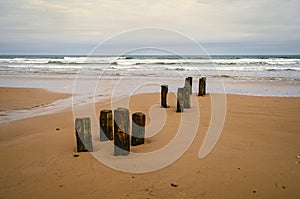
(219, 26)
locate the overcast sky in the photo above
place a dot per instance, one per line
(221, 26)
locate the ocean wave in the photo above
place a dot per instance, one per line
(228, 67)
(282, 69)
(134, 60)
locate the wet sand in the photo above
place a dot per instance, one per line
(27, 98)
(255, 156)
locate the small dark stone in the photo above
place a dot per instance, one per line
(132, 177)
(61, 185)
(283, 187)
(238, 168)
(57, 129)
(254, 191)
(76, 155)
(174, 185)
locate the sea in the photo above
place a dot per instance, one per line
(258, 67)
(93, 78)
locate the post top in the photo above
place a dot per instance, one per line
(83, 118)
(121, 109)
(138, 113)
(105, 111)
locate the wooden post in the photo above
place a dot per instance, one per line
(121, 132)
(180, 100)
(138, 129)
(106, 130)
(190, 79)
(164, 93)
(83, 135)
(187, 84)
(202, 86)
(200, 92)
(187, 101)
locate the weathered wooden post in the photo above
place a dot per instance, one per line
(187, 84)
(164, 93)
(121, 132)
(83, 135)
(202, 86)
(180, 100)
(190, 79)
(106, 130)
(200, 92)
(187, 101)
(138, 129)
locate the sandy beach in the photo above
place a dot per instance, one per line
(255, 156)
(63, 62)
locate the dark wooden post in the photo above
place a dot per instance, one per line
(190, 79)
(138, 129)
(180, 100)
(200, 92)
(202, 86)
(187, 101)
(164, 93)
(106, 132)
(121, 131)
(83, 135)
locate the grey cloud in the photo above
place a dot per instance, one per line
(214, 21)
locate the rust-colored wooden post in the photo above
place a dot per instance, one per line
(121, 132)
(202, 86)
(187, 101)
(106, 130)
(138, 129)
(180, 100)
(83, 135)
(164, 93)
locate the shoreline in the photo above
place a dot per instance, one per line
(67, 84)
(54, 101)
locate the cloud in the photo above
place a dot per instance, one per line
(92, 21)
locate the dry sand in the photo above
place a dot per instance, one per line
(255, 156)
